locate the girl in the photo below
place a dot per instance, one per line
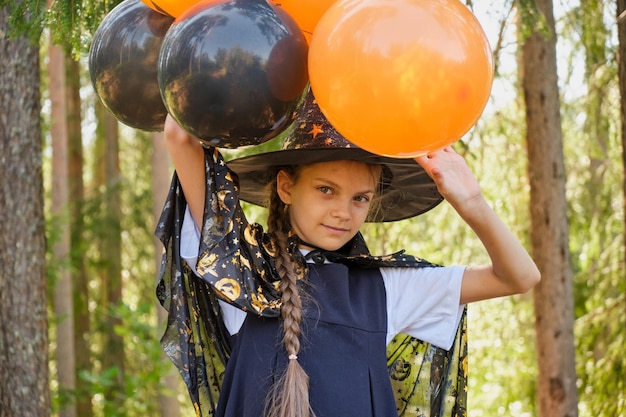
(302, 314)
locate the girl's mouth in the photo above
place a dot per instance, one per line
(335, 230)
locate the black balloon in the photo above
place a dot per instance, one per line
(233, 73)
(123, 64)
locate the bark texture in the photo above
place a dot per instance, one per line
(554, 317)
(23, 307)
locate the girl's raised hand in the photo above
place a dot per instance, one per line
(454, 180)
(511, 271)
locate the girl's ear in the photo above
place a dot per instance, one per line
(283, 186)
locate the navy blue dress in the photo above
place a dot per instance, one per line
(343, 349)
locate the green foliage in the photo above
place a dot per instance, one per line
(595, 169)
(72, 23)
(25, 17)
(531, 19)
(145, 363)
(143, 369)
(600, 358)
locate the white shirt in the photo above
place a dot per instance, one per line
(421, 302)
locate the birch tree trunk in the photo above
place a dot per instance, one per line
(24, 381)
(554, 320)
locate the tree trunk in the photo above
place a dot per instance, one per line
(161, 176)
(621, 62)
(554, 320)
(111, 253)
(63, 305)
(24, 381)
(80, 280)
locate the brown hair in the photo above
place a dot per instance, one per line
(289, 396)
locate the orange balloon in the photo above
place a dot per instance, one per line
(400, 78)
(196, 8)
(306, 13)
(172, 8)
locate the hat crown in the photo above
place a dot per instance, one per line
(311, 129)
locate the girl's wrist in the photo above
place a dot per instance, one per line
(474, 210)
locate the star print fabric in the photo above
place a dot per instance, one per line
(235, 264)
(429, 381)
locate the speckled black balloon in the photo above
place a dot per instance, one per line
(233, 73)
(123, 64)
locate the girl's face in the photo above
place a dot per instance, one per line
(328, 201)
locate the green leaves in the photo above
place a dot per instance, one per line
(25, 18)
(71, 23)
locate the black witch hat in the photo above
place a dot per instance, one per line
(407, 190)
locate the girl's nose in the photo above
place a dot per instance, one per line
(341, 209)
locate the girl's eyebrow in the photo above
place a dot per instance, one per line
(335, 185)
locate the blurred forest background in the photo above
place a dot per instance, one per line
(80, 325)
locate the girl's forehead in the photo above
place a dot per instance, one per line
(342, 165)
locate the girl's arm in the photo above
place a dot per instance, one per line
(188, 157)
(512, 271)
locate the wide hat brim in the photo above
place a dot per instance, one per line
(409, 193)
(407, 189)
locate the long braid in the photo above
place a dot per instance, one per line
(289, 396)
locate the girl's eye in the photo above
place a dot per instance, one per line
(324, 189)
(362, 199)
